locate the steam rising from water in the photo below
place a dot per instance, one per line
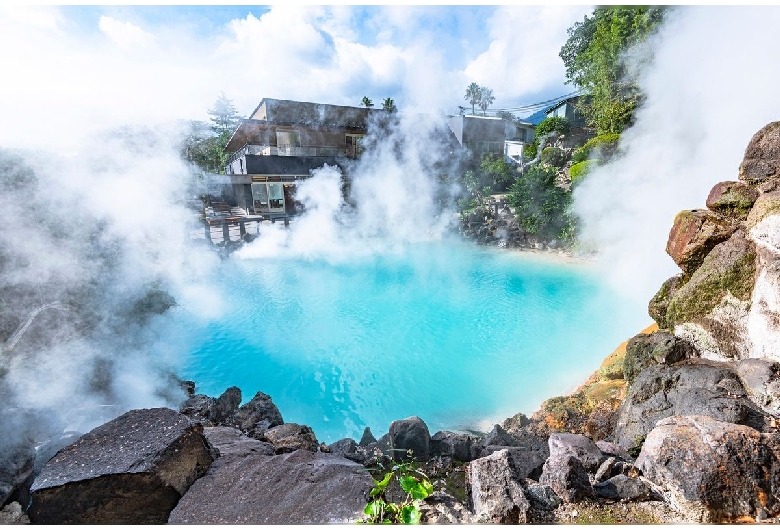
(400, 193)
(706, 96)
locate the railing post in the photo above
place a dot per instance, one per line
(225, 231)
(207, 231)
(242, 228)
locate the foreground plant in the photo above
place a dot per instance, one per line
(415, 484)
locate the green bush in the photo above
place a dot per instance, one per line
(553, 156)
(601, 147)
(541, 207)
(558, 124)
(578, 171)
(529, 151)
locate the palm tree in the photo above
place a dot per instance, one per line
(486, 98)
(389, 105)
(473, 95)
(367, 102)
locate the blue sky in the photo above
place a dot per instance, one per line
(97, 66)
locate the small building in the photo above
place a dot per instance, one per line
(282, 142)
(480, 135)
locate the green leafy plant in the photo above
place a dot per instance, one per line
(415, 485)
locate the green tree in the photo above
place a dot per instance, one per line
(594, 59)
(485, 98)
(542, 207)
(224, 116)
(366, 102)
(389, 105)
(500, 173)
(473, 95)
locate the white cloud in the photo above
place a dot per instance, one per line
(125, 34)
(522, 58)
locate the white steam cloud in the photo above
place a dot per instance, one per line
(710, 86)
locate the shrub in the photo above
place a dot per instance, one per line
(601, 148)
(558, 124)
(578, 171)
(553, 156)
(541, 207)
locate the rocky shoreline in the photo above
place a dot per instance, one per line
(678, 425)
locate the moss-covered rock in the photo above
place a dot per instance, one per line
(762, 156)
(732, 199)
(766, 205)
(729, 269)
(659, 304)
(602, 148)
(660, 347)
(693, 234)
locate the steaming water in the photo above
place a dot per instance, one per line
(461, 336)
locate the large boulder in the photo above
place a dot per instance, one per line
(225, 405)
(578, 446)
(16, 465)
(131, 470)
(660, 347)
(732, 199)
(496, 495)
(257, 415)
(658, 306)
(714, 471)
(567, 477)
(694, 387)
(711, 309)
(693, 234)
(229, 440)
(291, 437)
(499, 436)
(198, 407)
(761, 162)
(410, 434)
(458, 446)
(624, 488)
(526, 463)
(301, 487)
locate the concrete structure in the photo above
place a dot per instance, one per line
(284, 141)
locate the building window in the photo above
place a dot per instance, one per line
(288, 143)
(354, 145)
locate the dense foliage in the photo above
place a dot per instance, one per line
(557, 124)
(541, 207)
(498, 173)
(594, 57)
(602, 147)
(204, 143)
(578, 171)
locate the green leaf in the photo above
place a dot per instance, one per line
(410, 514)
(374, 507)
(408, 483)
(381, 485)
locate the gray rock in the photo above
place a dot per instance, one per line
(495, 494)
(762, 380)
(613, 467)
(229, 440)
(198, 407)
(13, 514)
(542, 497)
(610, 449)
(661, 347)
(695, 387)
(410, 434)
(578, 446)
(498, 436)
(343, 447)
(258, 415)
(621, 487)
(291, 437)
(526, 463)
(225, 405)
(713, 471)
(131, 470)
(566, 476)
(16, 467)
(458, 446)
(443, 508)
(367, 438)
(294, 488)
